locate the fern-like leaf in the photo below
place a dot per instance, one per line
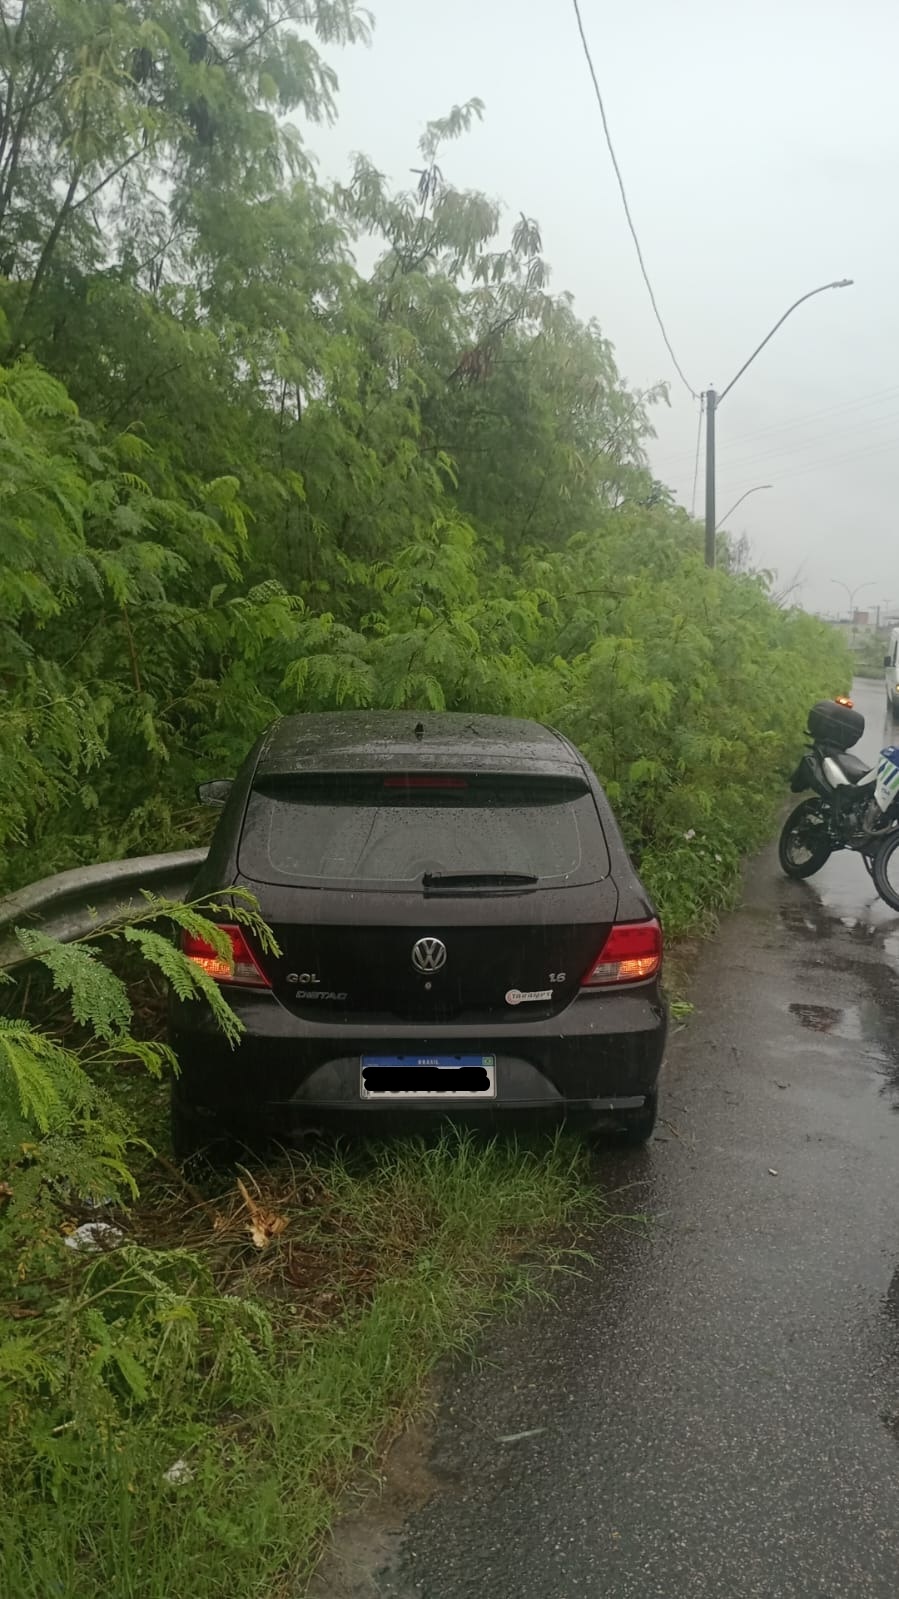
(187, 980)
(99, 998)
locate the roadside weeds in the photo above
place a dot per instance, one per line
(220, 1475)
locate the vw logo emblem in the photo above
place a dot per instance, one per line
(428, 955)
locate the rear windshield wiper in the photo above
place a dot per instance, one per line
(446, 882)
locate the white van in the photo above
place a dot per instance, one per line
(891, 672)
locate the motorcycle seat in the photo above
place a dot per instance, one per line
(851, 767)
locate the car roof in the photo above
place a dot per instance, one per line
(376, 741)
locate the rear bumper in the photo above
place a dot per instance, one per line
(601, 1056)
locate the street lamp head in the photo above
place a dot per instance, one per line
(844, 283)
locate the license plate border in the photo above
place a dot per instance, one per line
(443, 1063)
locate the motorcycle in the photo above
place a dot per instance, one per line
(854, 805)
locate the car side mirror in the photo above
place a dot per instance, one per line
(888, 660)
(216, 792)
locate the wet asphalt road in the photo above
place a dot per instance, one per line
(719, 1399)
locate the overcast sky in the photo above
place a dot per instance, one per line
(759, 144)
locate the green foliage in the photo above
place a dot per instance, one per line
(147, 1361)
(92, 1340)
(59, 1133)
(62, 1135)
(247, 478)
(192, 1392)
(239, 477)
(99, 999)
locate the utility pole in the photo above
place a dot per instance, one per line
(711, 401)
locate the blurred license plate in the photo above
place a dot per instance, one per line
(428, 1077)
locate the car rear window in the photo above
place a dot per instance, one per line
(391, 831)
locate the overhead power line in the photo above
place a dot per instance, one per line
(817, 441)
(669, 462)
(624, 200)
(826, 462)
(812, 416)
(696, 461)
(799, 449)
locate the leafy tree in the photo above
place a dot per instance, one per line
(260, 480)
(94, 565)
(102, 100)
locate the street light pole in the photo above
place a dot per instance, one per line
(712, 402)
(851, 593)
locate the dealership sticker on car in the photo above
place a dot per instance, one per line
(428, 1076)
(516, 997)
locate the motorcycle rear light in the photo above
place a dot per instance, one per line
(243, 966)
(632, 953)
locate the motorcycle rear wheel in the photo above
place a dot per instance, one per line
(804, 845)
(882, 857)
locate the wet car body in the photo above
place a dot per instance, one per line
(455, 911)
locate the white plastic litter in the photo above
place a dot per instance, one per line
(179, 1472)
(92, 1236)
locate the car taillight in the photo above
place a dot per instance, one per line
(632, 952)
(243, 966)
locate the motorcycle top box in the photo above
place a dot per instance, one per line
(836, 723)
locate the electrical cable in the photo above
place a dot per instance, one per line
(669, 464)
(696, 461)
(624, 200)
(818, 441)
(812, 416)
(826, 461)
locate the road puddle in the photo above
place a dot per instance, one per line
(820, 1018)
(867, 1026)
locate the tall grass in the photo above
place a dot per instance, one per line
(384, 1263)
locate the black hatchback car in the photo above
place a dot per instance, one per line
(461, 933)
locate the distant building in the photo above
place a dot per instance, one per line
(861, 625)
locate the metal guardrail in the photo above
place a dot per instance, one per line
(68, 905)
